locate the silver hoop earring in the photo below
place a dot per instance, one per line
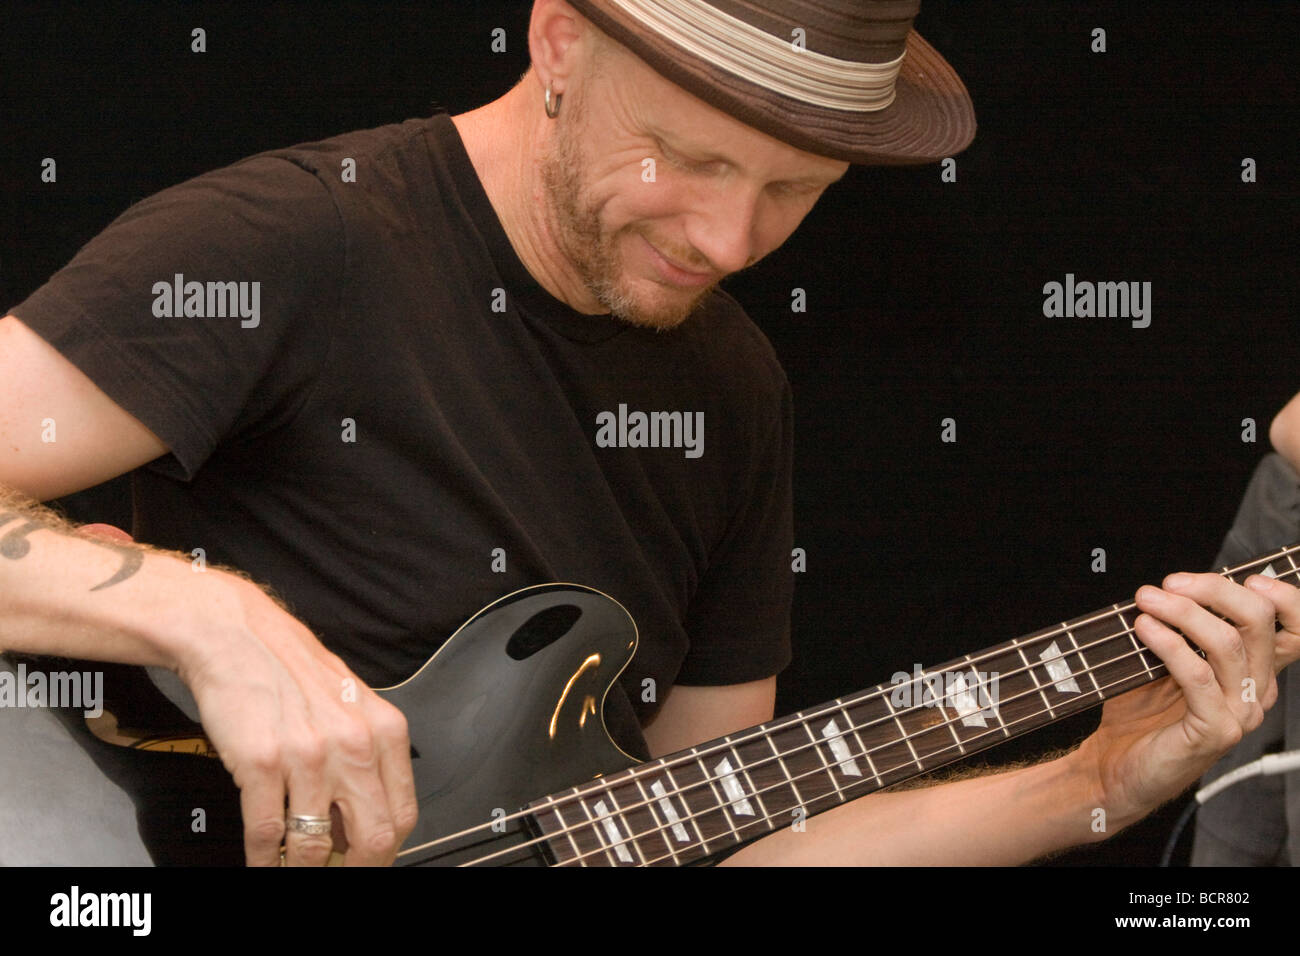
(552, 105)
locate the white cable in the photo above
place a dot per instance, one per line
(1266, 766)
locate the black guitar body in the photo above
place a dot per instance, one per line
(507, 711)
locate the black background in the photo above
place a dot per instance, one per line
(924, 298)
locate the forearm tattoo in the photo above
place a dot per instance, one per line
(14, 545)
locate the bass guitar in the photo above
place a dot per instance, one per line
(513, 764)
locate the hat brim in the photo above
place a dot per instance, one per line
(932, 116)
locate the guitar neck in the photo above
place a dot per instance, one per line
(690, 805)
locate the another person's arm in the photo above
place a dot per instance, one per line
(1284, 433)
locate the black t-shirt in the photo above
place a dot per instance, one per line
(405, 399)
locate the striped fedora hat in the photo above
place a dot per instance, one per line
(848, 79)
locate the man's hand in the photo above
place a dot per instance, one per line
(1156, 741)
(289, 719)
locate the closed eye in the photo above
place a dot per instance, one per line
(681, 162)
(690, 166)
(784, 188)
(794, 189)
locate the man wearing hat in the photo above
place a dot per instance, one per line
(429, 396)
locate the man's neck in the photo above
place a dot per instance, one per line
(504, 139)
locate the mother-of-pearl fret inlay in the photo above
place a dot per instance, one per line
(727, 777)
(1059, 670)
(611, 831)
(1269, 572)
(840, 749)
(669, 812)
(967, 703)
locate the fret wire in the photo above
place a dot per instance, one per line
(906, 737)
(595, 827)
(858, 737)
(1132, 636)
(565, 827)
(676, 791)
(722, 804)
(997, 708)
(754, 788)
(979, 736)
(827, 767)
(664, 830)
(980, 684)
(944, 708)
(771, 743)
(1029, 668)
(1086, 666)
(617, 815)
(880, 690)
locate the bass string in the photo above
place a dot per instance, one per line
(767, 818)
(707, 780)
(668, 763)
(592, 824)
(689, 758)
(790, 722)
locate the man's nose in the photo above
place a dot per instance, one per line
(724, 232)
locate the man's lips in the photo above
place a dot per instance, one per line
(675, 273)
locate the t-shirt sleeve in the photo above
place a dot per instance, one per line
(739, 620)
(204, 310)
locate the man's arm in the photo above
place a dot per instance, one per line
(59, 433)
(270, 695)
(690, 715)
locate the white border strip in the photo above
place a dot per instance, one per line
(756, 56)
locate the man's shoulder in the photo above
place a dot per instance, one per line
(359, 183)
(379, 145)
(312, 183)
(335, 159)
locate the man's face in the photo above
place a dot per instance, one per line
(719, 196)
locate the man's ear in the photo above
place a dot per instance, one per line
(1284, 432)
(551, 31)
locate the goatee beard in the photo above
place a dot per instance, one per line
(575, 224)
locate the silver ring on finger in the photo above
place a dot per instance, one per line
(312, 826)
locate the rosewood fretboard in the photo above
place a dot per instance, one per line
(687, 806)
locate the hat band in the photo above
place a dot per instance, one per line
(775, 64)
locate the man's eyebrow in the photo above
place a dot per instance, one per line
(700, 154)
(697, 154)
